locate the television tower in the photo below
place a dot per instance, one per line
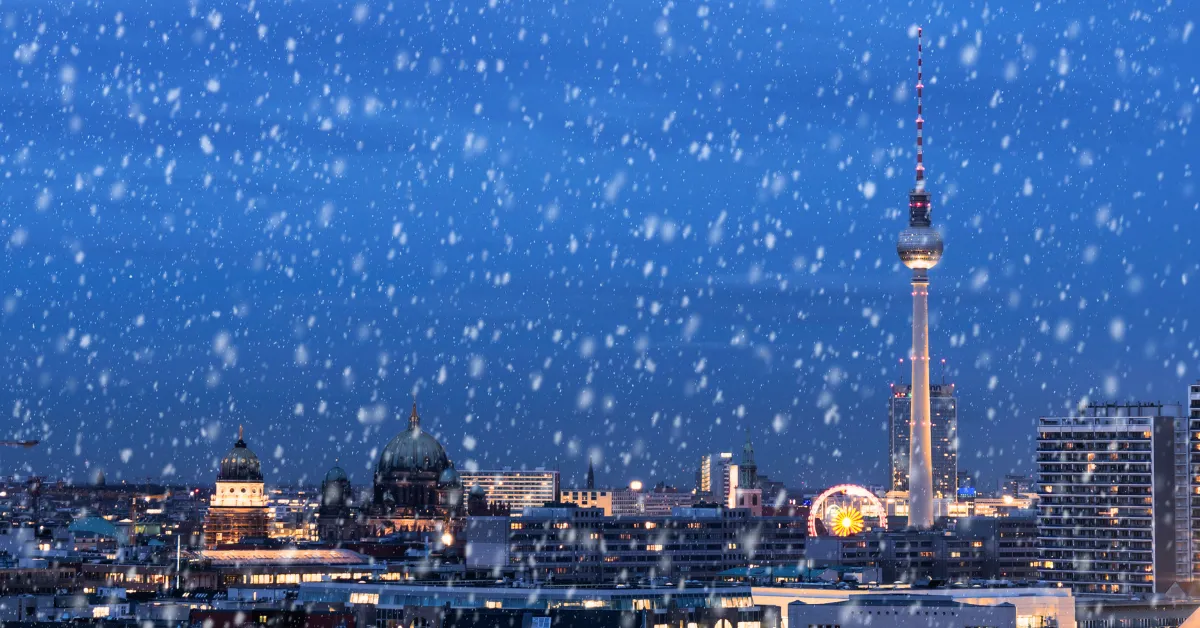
(920, 248)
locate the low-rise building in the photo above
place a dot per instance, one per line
(976, 548)
(444, 607)
(571, 544)
(632, 501)
(1156, 611)
(899, 610)
(1041, 607)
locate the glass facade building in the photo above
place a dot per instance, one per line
(943, 409)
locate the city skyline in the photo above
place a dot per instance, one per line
(372, 315)
(153, 303)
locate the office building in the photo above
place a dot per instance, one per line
(659, 501)
(595, 607)
(1107, 480)
(583, 546)
(1015, 485)
(901, 610)
(602, 499)
(774, 492)
(716, 477)
(292, 513)
(1036, 607)
(943, 426)
(515, 488)
(635, 500)
(975, 549)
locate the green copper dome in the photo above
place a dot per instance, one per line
(337, 474)
(413, 450)
(240, 464)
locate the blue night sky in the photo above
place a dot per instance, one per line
(629, 231)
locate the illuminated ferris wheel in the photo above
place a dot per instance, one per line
(846, 510)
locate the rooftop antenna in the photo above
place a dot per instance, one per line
(943, 371)
(920, 112)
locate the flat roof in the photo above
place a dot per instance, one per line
(903, 599)
(542, 591)
(284, 556)
(833, 593)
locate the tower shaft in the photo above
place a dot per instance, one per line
(920, 447)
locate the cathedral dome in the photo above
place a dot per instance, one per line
(240, 464)
(450, 477)
(413, 450)
(336, 474)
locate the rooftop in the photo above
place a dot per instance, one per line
(903, 599)
(284, 556)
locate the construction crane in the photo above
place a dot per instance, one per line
(27, 444)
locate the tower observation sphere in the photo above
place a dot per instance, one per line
(920, 248)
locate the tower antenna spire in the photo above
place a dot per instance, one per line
(920, 111)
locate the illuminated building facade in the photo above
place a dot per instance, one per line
(715, 477)
(943, 428)
(744, 491)
(601, 498)
(396, 604)
(582, 545)
(659, 501)
(238, 508)
(1107, 488)
(514, 488)
(292, 513)
(1192, 492)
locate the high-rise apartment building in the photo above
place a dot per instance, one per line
(1107, 482)
(1193, 475)
(713, 480)
(943, 412)
(514, 488)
